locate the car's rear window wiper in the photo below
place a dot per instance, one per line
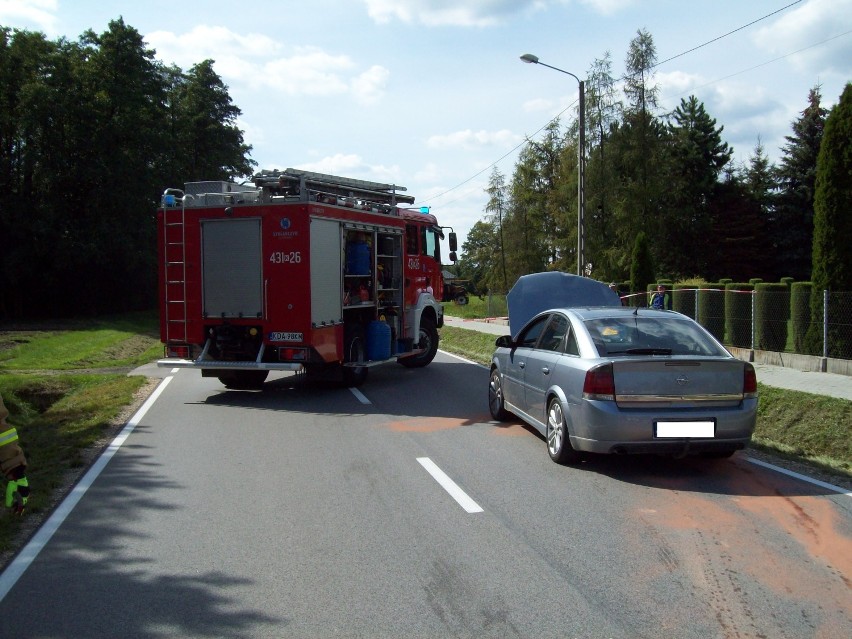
(643, 351)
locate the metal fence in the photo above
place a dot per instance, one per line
(769, 320)
(779, 321)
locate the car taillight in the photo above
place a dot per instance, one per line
(600, 383)
(749, 381)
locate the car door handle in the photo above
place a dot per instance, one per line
(545, 370)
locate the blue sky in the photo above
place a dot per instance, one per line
(429, 94)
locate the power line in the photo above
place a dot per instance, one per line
(745, 26)
(503, 157)
(763, 64)
(769, 15)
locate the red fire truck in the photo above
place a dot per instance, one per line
(297, 271)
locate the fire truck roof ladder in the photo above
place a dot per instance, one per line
(333, 184)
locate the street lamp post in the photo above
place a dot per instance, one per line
(581, 163)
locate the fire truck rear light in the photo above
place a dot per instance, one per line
(177, 351)
(292, 354)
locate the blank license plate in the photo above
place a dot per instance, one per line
(684, 429)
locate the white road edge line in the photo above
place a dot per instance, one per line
(450, 486)
(19, 565)
(466, 361)
(784, 471)
(361, 397)
(810, 480)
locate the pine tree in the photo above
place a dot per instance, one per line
(793, 228)
(695, 157)
(642, 271)
(496, 209)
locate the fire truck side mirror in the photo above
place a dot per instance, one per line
(453, 256)
(454, 244)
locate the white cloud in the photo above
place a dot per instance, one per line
(538, 105)
(310, 72)
(368, 88)
(204, 42)
(608, 7)
(255, 60)
(39, 13)
(812, 29)
(468, 139)
(355, 166)
(473, 13)
(432, 13)
(678, 83)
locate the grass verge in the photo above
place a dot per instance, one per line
(66, 388)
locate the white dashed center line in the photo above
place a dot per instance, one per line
(450, 486)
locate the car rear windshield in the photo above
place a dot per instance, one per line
(637, 335)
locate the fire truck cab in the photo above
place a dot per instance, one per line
(297, 271)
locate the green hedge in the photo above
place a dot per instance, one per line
(711, 309)
(800, 313)
(771, 310)
(683, 299)
(738, 314)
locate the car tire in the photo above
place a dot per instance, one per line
(558, 444)
(495, 397)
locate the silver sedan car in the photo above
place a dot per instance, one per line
(621, 380)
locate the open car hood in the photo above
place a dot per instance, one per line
(538, 292)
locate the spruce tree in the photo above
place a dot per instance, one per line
(793, 225)
(641, 267)
(696, 156)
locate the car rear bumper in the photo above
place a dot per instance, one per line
(601, 427)
(674, 448)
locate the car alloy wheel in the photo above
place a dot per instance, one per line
(495, 397)
(558, 444)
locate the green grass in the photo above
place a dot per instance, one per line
(811, 428)
(61, 408)
(487, 306)
(107, 343)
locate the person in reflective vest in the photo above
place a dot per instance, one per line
(13, 465)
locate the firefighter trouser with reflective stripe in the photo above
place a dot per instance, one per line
(11, 455)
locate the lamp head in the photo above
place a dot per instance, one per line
(529, 58)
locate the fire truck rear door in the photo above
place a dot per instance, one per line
(231, 271)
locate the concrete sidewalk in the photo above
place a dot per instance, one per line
(830, 384)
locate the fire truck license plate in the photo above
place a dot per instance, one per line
(284, 336)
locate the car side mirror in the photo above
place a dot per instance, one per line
(504, 341)
(454, 243)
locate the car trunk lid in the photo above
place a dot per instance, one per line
(672, 382)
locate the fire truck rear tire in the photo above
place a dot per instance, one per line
(355, 351)
(428, 342)
(244, 380)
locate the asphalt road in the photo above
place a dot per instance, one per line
(316, 511)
